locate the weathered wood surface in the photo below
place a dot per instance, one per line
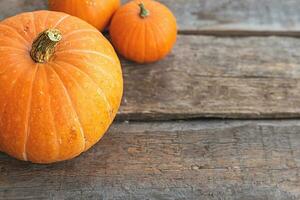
(204, 76)
(217, 17)
(237, 17)
(12, 7)
(227, 160)
(252, 77)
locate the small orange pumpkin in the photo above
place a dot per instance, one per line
(143, 31)
(61, 86)
(96, 12)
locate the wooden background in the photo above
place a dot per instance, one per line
(216, 119)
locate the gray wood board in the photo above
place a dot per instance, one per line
(212, 159)
(204, 76)
(217, 17)
(236, 17)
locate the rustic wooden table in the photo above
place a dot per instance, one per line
(217, 119)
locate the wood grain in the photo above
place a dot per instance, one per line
(204, 76)
(252, 77)
(213, 17)
(170, 160)
(236, 17)
(12, 7)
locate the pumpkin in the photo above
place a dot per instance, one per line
(96, 12)
(143, 31)
(61, 86)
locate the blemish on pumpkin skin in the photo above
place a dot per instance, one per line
(73, 131)
(111, 112)
(90, 2)
(26, 28)
(73, 135)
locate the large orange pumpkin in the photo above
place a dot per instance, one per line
(96, 12)
(143, 31)
(60, 83)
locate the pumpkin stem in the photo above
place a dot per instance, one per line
(144, 11)
(44, 45)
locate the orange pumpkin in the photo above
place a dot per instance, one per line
(96, 12)
(143, 31)
(61, 86)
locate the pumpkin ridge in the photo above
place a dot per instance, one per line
(135, 43)
(51, 115)
(75, 40)
(28, 111)
(33, 22)
(18, 34)
(102, 94)
(162, 34)
(41, 25)
(13, 43)
(155, 38)
(127, 22)
(104, 72)
(11, 89)
(128, 39)
(12, 48)
(145, 42)
(87, 52)
(7, 67)
(66, 36)
(46, 20)
(163, 24)
(63, 18)
(71, 105)
(97, 68)
(135, 34)
(128, 32)
(9, 93)
(64, 70)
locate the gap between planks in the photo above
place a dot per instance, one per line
(240, 33)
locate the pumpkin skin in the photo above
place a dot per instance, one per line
(57, 109)
(96, 12)
(143, 37)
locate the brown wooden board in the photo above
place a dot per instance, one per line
(217, 17)
(237, 17)
(205, 76)
(12, 7)
(170, 160)
(252, 77)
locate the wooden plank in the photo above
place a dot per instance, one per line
(12, 7)
(252, 77)
(170, 160)
(212, 77)
(236, 17)
(216, 17)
